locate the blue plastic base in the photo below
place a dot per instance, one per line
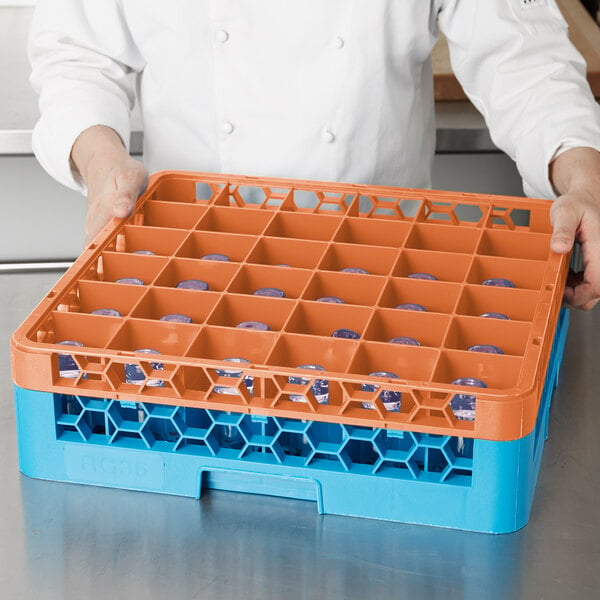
(437, 480)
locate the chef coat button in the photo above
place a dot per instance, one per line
(327, 136)
(222, 36)
(338, 43)
(227, 127)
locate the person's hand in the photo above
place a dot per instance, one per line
(113, 179)
(575, 216)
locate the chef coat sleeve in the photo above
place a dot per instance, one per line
(83, 59)
(516, 64)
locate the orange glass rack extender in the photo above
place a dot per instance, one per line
(421, 279)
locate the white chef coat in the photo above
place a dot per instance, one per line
(336, 90)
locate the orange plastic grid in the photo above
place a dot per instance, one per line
(314, 229)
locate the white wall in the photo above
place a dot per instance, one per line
(41, 219)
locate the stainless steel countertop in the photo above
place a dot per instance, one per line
(460, 127)
(64, 541)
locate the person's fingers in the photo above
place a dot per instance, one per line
(590, 305)
(586, 306)
(565, 221)
(571, 221)
(588, 290)
(130, 183)
(88, 239)
(582, 289)
(116, 197)
(99, 213)
(582, 294)
(590, 245)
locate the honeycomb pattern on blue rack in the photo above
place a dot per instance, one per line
(274, 440)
